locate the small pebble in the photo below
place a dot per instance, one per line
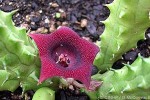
(74, 1)
(57, 15)
(34, 5)
(61, 10)
(33, 27)
(65, 23)
(26, 26)
(46, 20)
(130, 55)
(71, 87)
(148, 35)
(91, 28)
(84, 22)
(10, 3)
(52, 28)
(58, 23)
(63, 15)
(8, 8)
(46, 25)
(33, 23)
(54, 4)
(35, 18)
(73, 19)
(40, 11)
(41, 30)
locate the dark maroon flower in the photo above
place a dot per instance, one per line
(64, 53)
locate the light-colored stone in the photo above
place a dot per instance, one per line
(53, 4)
(84, 23)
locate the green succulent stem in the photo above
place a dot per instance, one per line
(126, 24)
(130, 82)
(19, 60)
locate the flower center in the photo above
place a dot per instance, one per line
(63, 60)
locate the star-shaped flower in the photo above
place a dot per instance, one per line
(63, 53)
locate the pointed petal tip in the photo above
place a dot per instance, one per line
(64, 29)
(39, 83)
(41, 79)
(97, 49)
(94, 85)
(31, 34)
(86, 82)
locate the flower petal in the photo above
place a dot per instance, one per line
(80, 51)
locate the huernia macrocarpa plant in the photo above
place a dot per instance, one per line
(64, 54)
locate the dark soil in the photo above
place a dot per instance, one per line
(83, 16)
(70, 95)
(16, 95)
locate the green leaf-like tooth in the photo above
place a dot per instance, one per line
(112, 90)
(6, 83)
(122, 14)
(131, 68)
(142, 84)
(127, 88)
(125, 26)
(6, 78)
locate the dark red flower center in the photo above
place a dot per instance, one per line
(65, 55)
(63, 60)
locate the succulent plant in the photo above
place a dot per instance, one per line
(126, 24)
(130, 82)
(64, 53)
(19, 61)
